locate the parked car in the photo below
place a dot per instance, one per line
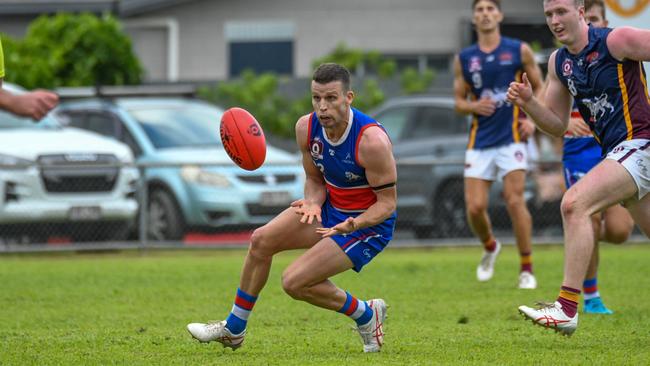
(191, 181)
(63, 181)
(429, 143)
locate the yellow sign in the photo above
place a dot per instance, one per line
(630, 11)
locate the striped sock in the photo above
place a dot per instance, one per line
(590, 288)
(357, 310)
(241, 310)
(490, 245)
(526, 262)
(569, 298)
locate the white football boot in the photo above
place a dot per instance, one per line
(372, 333)
(216, 331)
(527, 281)
(485, 269)
(550, 315)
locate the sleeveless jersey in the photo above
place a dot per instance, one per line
(345, 180)
(490, 75)
(611, 95)
(579, 147)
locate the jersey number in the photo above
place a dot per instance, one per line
(572, 87)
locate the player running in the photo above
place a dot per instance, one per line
(600, 69)
(581, 153)
(346, 218)
(496, 148)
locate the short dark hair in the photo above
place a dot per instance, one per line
(591, 3)
(329, 72)
(496, 2)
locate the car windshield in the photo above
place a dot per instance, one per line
(8, 121)
(187, 125)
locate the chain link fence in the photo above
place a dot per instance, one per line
(68, 203)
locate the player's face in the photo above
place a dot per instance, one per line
(595, 16)
(487, 16)
(564, 19)
(331, 102)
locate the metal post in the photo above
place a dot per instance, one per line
(143, 202)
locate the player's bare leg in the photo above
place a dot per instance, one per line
(607, 183)
(593, 301)
(307, 279)
(476, 203)
(513, 192)
(640, 211)
(617, 225)
(284, 232)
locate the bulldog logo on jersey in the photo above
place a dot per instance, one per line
(317, 149)
(567, 68)
(351, 177)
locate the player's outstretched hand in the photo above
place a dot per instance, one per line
(345, 227)
(308, 211)
(520, 93)
(36, 104)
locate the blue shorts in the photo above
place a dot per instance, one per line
(574, 169)
(363, 245)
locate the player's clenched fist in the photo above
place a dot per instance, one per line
(520, 93)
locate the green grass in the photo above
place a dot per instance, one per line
(131, 309)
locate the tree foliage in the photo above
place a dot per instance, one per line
(71, 50)
(258, 93)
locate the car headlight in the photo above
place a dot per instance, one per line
(196, 174)
(10, 161)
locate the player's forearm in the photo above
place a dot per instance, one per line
(6, 100)
(544, 118)
(464, 106)
(375, 214)
(315, 191)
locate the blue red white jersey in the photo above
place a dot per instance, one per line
(345, 179)
(611, 95)
(579, 147)
(489, 75)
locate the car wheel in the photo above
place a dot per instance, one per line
(165, 221)
(449, 211)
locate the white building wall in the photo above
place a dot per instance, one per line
(405, 26)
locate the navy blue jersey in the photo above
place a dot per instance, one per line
(611, 95)
(489, 75)
(345, 179)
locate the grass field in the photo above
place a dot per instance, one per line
(131, 308)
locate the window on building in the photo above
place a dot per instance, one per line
(260, 46)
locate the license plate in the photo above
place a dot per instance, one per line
(85, 213)
(275, 198)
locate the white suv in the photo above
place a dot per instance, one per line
(57, 181)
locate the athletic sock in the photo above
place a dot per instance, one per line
(356, 309)
(526, 262)
(490, 245)
(569, 298)
(241, 310)
(590, 288)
